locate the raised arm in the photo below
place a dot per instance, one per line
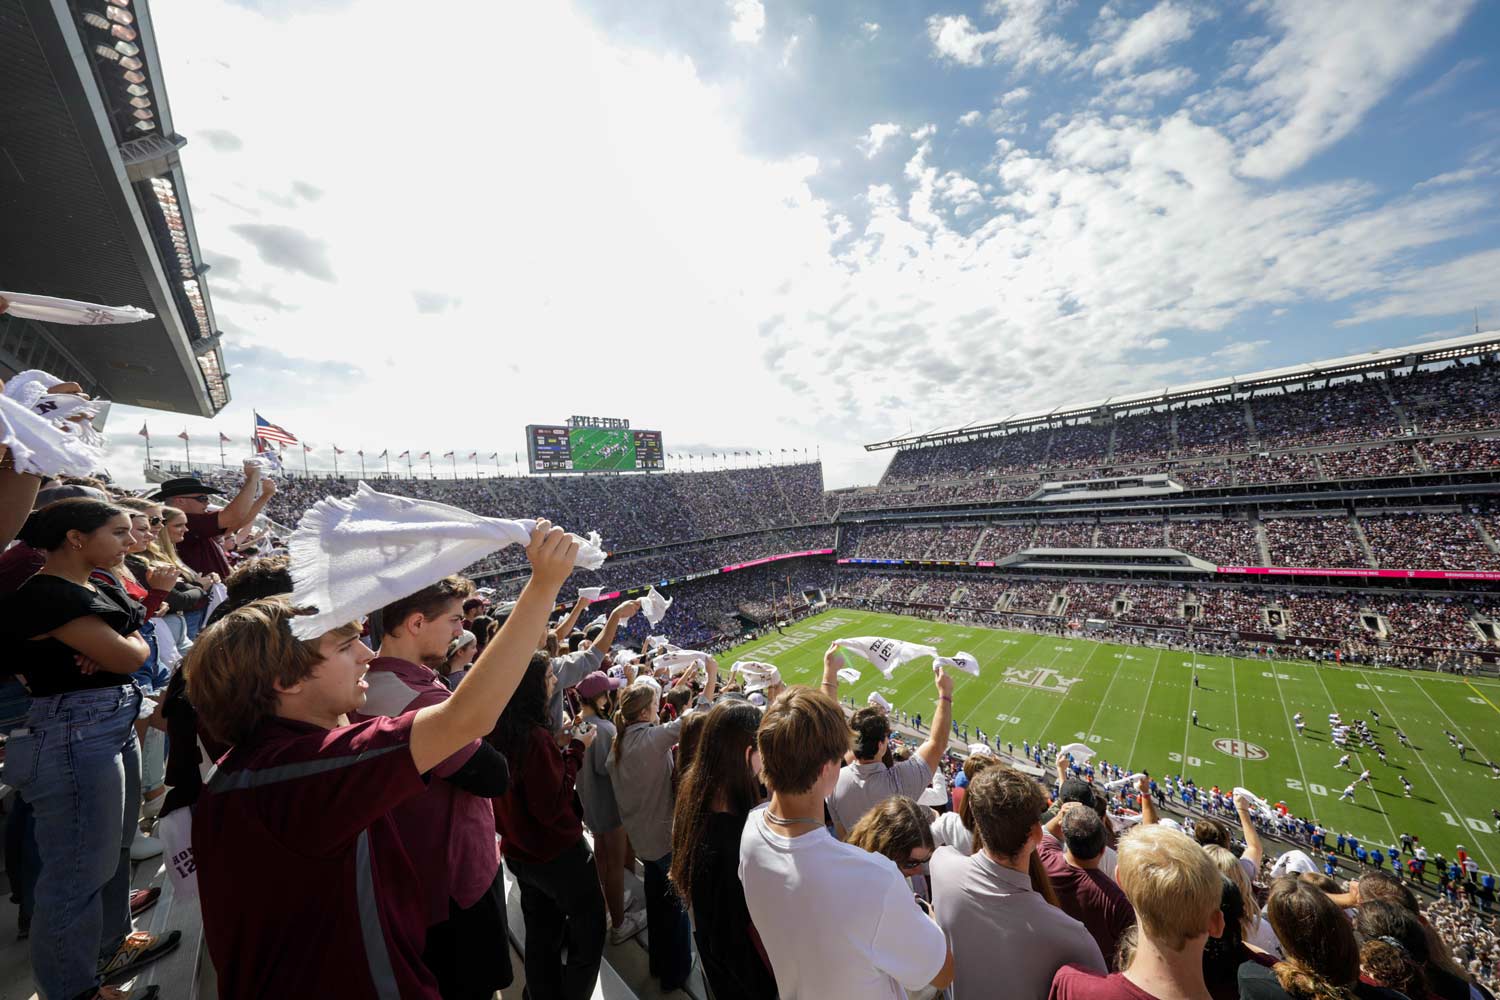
(236, 513)
(1255, 853)
(942, 723)
(441, 730)
(565, 626)
(711, 684)
(623, 612)
(1148, 808)
(833, 662)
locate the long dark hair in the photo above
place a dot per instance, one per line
(526, 710)
(719, 767)
(1322, 957)
(1223, 954)
(48, 528)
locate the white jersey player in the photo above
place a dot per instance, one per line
(1348, 793)
(1344, 762)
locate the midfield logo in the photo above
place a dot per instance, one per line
(1039, 679)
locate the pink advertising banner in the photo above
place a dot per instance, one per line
(770, 559)
(1389, 574)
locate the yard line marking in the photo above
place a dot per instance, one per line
(1358, 757)
(1150, 684)
(1187, 722)
(1479, 846)
(1234, 693)
(1481, 694)
(1083, 667)
(1286, 716)
(1456, 727)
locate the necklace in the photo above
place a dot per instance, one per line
(794, 821)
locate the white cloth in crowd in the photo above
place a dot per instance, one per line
(33, 426)
(217, 595)
(680, 659)
(598, 622)
(70, 312)
(1078, 751)
(981, 750)
(654, 606)
(1122, 782)
(879, 701)
(589, 594)
(848, 675)
(1251, 798)
(352, 555)
(959, 661)
(168, 656)
(657, 642)
(885, 654)
(758, 676)
(1293, 862)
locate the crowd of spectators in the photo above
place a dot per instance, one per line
(1344, 411)
(1313, 541)
(1032, 596)
(1461, 397)
(1223, 542)
(1367, 463)
(1428, 541)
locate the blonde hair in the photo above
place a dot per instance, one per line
(1172, 884)
(1230, 867)
(633, 701)
(164, 550)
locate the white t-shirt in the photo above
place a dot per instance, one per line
(836, 921)
(948, 830)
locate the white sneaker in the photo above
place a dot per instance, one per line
(633, 924)
(144, 847)
(631, 903)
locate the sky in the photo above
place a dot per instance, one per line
(762, 225)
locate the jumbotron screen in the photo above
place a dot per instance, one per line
(555, 448)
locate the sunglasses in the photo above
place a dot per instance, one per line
(154, 521)
(201, 498)
(911, 865)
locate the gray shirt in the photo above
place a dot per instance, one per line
(642, 780)
(600, 810)
(570, 670)
(1001, 931)
(862, 787)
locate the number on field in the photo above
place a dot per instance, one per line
(1475, 701)
(1177, 758)
(1013, 719)
(1280, 677)
(1316, 789)
(1374, 687)
(1294, 784)
(1063, 649)
(1448, 818)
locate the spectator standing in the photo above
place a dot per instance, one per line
(714, 797)
(601, 813)
(996, 924)
(641, 773)
(449, 829)
(542, 838)
(1083, 891)
(456, 659)
(836, 921)
(76, 640)
(1177, 894)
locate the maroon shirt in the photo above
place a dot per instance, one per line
(535, 819)
(1075, 983)
(18, 564)
(1088, 896)
(449, 833)
(306, 889)
(200, 548)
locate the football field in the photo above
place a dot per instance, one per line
(1134, 704)
(602, 448)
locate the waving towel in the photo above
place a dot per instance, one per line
(590, 594)
(657, 642)
(654, 606)
(71, 312)
(959, 661)
(679, 660)
(1129, 779)
(1251, 798)
(600, 621)
(758, 676)
(1078, 751)
(849, 675)
(885, 654)
(352, 555)
(879, 701)
(34, 425)
(217, 595)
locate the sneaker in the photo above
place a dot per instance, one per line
(633, 924)
(144, 847)
(143, 899)
(139, 949)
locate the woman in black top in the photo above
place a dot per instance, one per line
(74, 642)
(1322, 955)
(715, 795)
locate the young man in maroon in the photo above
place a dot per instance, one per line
(306, 887)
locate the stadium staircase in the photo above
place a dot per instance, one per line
(1364, 541)
(1252, 437)
(1262, 542)
(1483, 533)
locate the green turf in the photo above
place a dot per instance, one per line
(1133, 702)
(587, 446)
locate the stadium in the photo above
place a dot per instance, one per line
(1257, 611)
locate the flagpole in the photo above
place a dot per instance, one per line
(476, 465)
(387, 456)
(222, 464)
(430, 473)
(187, 451)
(453, 457)
(408, 466)
(335, 461)
(362, 464)
(305, 473)
(147, 436)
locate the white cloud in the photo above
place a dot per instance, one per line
(1440, 290)
(1460, 176)
(1446, 82)
(875, 139)
(870, 28)
(1333, 62)
(924, 133)
(1138, 94)
(1014, 96)
(747, 20)
(969, 118)
(1147, 37)
(1024, 37)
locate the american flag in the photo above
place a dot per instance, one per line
(267, 431)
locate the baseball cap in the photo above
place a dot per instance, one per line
(596, 683)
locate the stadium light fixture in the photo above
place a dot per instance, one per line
(136, 90)
(106, 52)
(132, 63)
(119, 15)
(145, 126)
(127, 48)
(139, 102)
(123, 33)
(95, 21)
(131, 76)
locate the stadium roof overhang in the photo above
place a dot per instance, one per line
(95, 206)
(1432, 352)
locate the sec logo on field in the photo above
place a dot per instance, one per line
(1239, 748)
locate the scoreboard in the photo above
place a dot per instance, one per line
(576, 448)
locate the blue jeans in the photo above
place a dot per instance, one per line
(669, 945)
(77, 764)
(195, 622)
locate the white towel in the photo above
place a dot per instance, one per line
(353, 555)
(959, 661)
(981, 750)
(654, 606)
(879, 701)
(1129, 779)
(1078, 751)
(34, 426)
(849, 675)
(167, 653)
(217, 594)
(600, 621)
(679, 660)
(1251, 798)
(589, 594)
(71, 312)
(657, 642)
(758, 676)
(1293, 863)
(885, 654)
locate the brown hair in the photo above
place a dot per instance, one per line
(1395, 945)
(718, 769)
(1210, 831)
(868, 727)
(1006, 806)
(976, 765)
(429, 602)
(163, 549)
(799, 734)
(1322, 957)
(1172, 884)
(633, 701)
(894, 828)
(235, 665)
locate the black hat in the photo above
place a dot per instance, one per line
(185, 487)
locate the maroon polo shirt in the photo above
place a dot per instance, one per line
(200, 549)
(18, 564)
(1088, 896)
(1073, 982)
(535, 817)
(449, 833)
(306, 889)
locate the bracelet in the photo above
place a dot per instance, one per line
(944, 697)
